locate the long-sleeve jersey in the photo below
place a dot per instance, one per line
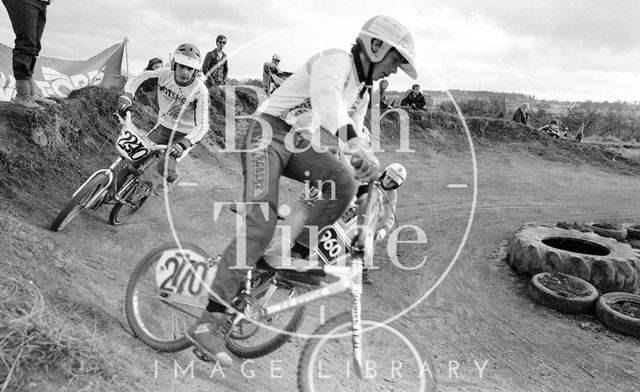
(388, 217)
(328, 84)
(193, 119)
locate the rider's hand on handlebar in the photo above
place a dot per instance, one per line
(367, 165)
(123, 104)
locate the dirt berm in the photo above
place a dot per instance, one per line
(479, 323)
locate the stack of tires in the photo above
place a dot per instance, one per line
(587, 260)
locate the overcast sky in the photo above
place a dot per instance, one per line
(562, 49)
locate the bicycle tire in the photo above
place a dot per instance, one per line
(341, 324)
(120, 213)
(141, 328)
(272, 344)
(76, 204)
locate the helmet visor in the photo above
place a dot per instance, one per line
(409, 65)
(187, 61)
(394, 176)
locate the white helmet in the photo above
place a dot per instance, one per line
(276, 57)
(396, 172)
(393, 35)
(188, 55)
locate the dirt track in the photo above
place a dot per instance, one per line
(481, 312)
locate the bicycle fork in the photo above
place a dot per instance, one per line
(356, 315)
(98, 195)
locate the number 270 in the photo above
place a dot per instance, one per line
(181, 275)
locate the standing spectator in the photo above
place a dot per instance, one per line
(383, 100)
(150, 85)
(28, 18)
(272, 76)
(415, 99)
(216, 65)
(522, 114)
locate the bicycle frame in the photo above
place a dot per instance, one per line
(349, 277)
(111, 170)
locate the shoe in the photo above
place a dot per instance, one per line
(365, 278)
(42, 99)
(23, 96)
(36, 94)
(207, 335)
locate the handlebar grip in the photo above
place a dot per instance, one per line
(356, 161)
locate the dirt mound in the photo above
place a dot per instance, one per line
(43, 148)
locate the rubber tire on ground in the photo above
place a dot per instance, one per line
(617, 234)
(118, 208)
(75, 205)
(617, 271)
(168, 346)
(305, 364)
(543, 295)
(633, 233)
(270, 345)
(617, 321)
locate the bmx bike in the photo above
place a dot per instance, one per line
(121, 183)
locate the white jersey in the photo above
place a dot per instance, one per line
(327, 83)
(185, 109)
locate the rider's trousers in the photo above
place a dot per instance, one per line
(271, 151)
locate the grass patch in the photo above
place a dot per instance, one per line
(35, 340)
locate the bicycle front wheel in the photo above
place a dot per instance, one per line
(79, 201)
(167, 292)
(393, 358)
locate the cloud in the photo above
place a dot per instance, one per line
(500, 45)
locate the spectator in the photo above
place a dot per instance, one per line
(150, 85)
(415, 99)
(552, 129)
(521, 114)
(269, 70)
(28, 18)
(154, 63)
(383, 100)
(216, 65)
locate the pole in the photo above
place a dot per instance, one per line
(126, 55)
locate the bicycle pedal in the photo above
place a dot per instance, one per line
(201, 356)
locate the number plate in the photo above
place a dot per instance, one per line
(132, 144)
(331, 245)
(184, 273)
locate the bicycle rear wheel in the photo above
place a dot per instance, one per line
(120, 213)
(79, 201)
(156, 314)
(251, 340)
(393, 358)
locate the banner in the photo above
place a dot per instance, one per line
(56, 77)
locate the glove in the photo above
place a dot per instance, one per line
(381, 234)
(178, 148)
(368, 165)
(123, 104)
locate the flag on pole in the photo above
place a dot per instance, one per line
(57, 78)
